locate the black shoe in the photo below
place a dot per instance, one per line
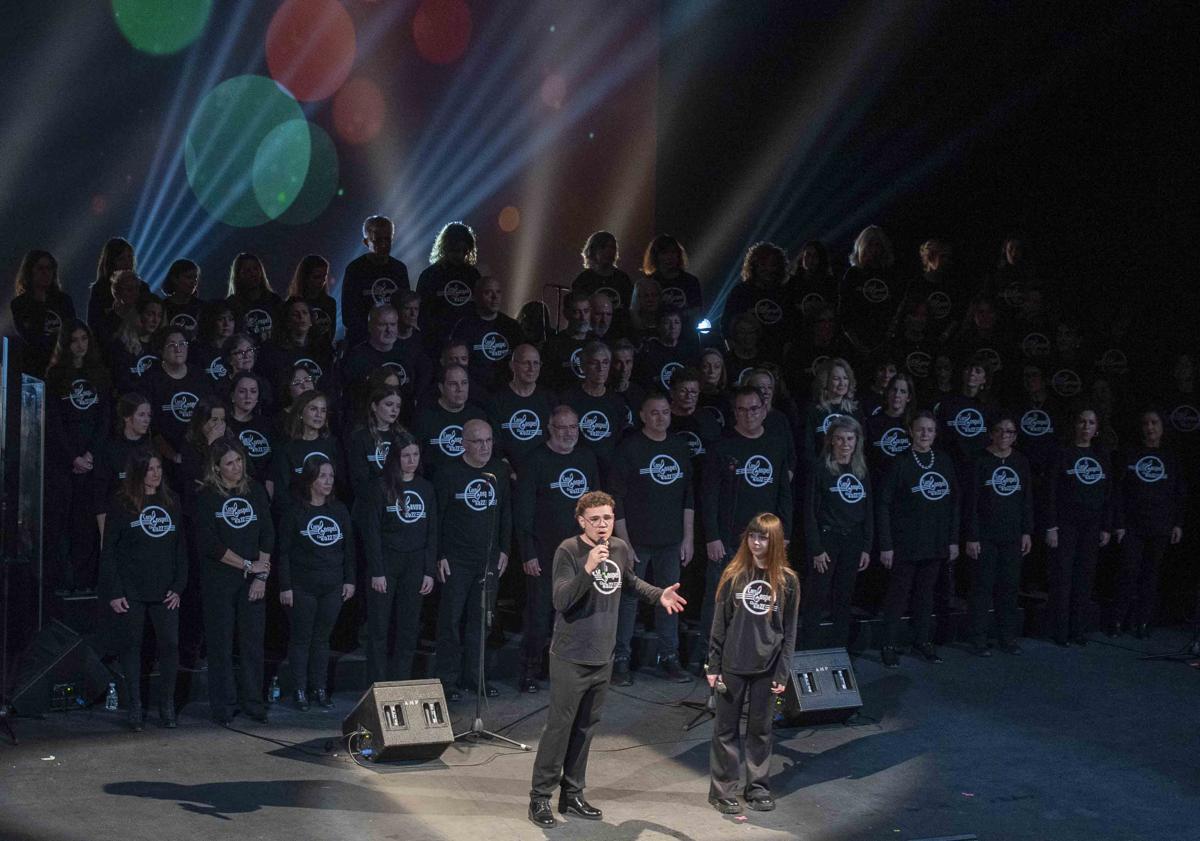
(574, 804)
(541, 814)
(166, 715)
(527, 684)
(766, 803)
(323, 700)
(889, 656)
(489, 691)
(929, 652)
(136, 720)
(300, 699)
(1079, 640)
(1010, 648)
(673, 671)
(726, 805)
(979, 649)
(621, 676)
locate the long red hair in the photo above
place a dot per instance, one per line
(741, 567)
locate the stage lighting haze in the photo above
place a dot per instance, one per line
(159, 28)
(311, 46)
(442, 30)
(359, 111)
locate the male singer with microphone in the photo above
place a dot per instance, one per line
(475, 517)
(590, 573)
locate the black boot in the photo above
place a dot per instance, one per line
(323, 700)
(301, 700)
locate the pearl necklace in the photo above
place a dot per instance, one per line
(932, 459)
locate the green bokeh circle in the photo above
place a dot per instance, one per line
(161, 27)
(321, 182)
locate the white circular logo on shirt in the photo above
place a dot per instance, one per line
(216, 369)
(320, 318)
(1087, 470)
(876, 290)
(695, 445)
(918, 363)
(184, 321)
(411, 509)
(382, 291)
(668, 371)
(381, 453)
(52, 323)
(758, 471)
(849, 488)
(990, 359)
(1036, 423)
(313, 454)
(450, 440)
(143, 364)
(258, 322)
(663, 469)
(756, 597)
(1035, 345)
(237, 512)
(1066, 383)
(577, 362)
(1185, 418)
(673, 296)
(1012, 294)
(810, 302)
(477, 494)
(939, 305)
(256, 444)
(830, 418)
(1150, 469)
(812, 369)
(571, 483)
(311, 366)
(968, 422)
(595, 425)
(182, 405)
(716, 413)
(606, 577)
(1113, 363)
(493, 346)
(768, 312)
(932, 485)
(323, 530)
(155, 521)
(894, 441)
(457, 293)
(1004, 481)
(83, 396)
(523, 424)
(401, 372)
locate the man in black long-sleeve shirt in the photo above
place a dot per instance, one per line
(590, 572)
(371, 279)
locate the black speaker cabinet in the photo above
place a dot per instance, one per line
(822, 688)
(405, 719)
(57, 655)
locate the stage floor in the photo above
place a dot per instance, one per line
(1053, 745)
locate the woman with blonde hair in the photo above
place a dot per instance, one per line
(600, 273)
(750, 655)
(867, 295)
(833, 392)
(254, 301)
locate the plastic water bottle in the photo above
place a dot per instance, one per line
(110, 700)
(273, 695)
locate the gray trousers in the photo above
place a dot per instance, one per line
(725, 758)
(576, 696)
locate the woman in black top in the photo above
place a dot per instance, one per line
(839, 530)
(129, 353)
(40, 308)
(116, 255)
(749, 657)
(887, 430)
(1149, 517)
(367, 447)
(310, 283)
(76, 426)
(132, 433)
(1080, 511)
(666, 261)
(396, 518)
(832, 397)
(252, 430)
(917, 521)
(600, 272)
(174, 387)
(997, 529)
(235, 538)
(208, 423)
(181, 305)
(306, 436)
(316, 574)
(241, 355)
(144, 570)
(250, 294)
(297, 343)
(217, 323)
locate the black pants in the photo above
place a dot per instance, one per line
(1137, 591)
(132, 625)
(401, 604)
(725, 758)
(832, 589)
(995, 583)
(228, 609)
(576, 696)
(315, 609)
(917, 578)
(1072, 571)
(458, 624)
(660, 566)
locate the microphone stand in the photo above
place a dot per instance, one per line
(478, 731)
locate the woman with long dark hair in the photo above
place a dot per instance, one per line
(666, 261)
(235, 540)
(181, 304)
(310, 283)
(295, 343)
(749, 657)
(811, 284)
(143, 572)
(917, 521)
(316, 574)
(1079, 522)
(839, 530)
(248, 424)
(396, 516)
(116, 255)
(886, 432)
(40, 307)
(132, 433)
(305, 436)
(76, 427)
(217, 324)
(368, 445)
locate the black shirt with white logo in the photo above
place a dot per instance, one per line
(617, 285)
(232, 521)
(440, 434)
(651, 482)
(445, 289)
(144, 553)
(655, 364)
(682, 291)
(287, 463)
(397, 530)
(754, 629)
(998, 501)
(815, 424)
(768, 306)
(743, 477)
(917, 508)
(886, 439)
(254, 434)
(1153, 492)
(407, 358)
(837, 504)
(962, 429)
(475, 512)
(586, 604)
(368, 283)
(562, 360)
(549, 485)
(129, 370)
(365, 454)
(1082, 485)
(1037, 434)
(519, 424)
(77, 410)
(316, 547)
(173, 401)
(256, 317)
(108, 467)
(868, 301)
(602, 420)
(490, 342)
(699, 430)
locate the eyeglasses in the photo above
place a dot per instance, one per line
(244, 352)
(599, 519)
(299, 381)
(176, 345)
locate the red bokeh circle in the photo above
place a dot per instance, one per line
(442, 30)
(311, 46)
(358, 111)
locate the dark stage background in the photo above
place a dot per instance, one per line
(719, 122)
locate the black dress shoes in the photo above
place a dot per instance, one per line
(541, 814)
(726, 805)
(574, 804)
(323, 700)
(766, 803)
(527, 684)
(890, 657)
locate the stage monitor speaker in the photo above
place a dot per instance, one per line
(57, 655)
(822, 688)
(404, 720)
